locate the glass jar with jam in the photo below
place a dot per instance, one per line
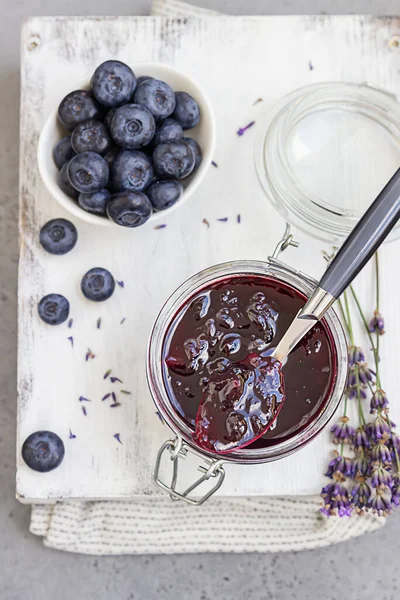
(218, 317)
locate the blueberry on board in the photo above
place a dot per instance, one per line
(132, 126)
(113, 83)
(110, 156)
(108, 117)
(88, 172)
(58, 236)
(98, 284)
(64, 183)
(143, 78)
(198, 155)
(43, 451)
(95, 203)
(131, 170)
(53, 309)
(174, 160)
(63, 151)
(77, 107)
(187, 111)
(164, 194)
(157, 96)
(91, 136)
(168, 130)
(129, 209)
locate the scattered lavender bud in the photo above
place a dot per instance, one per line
(115, 404)
(70, 323)
(310, 65)
(223, 220)
(71, 339)
(89, 354)
(242, 130)
(105, 397)
(160, 226)
(214, 164)
(99, 323)
(123, 320)
(257, 101)
(118, 437)
(114, 379)
(160, 416)
(239, 219)
(84, 411)
(113, 396)
(83, 399)
(106, 374)
(121, 283)
(125, 392)
(71, 435)
(206, 223)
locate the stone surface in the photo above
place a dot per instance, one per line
(364, 568)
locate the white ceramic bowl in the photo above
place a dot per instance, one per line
(203, 133)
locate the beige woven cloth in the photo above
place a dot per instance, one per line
(160, 526)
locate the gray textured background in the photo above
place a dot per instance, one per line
(365, 568)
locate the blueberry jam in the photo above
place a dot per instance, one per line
(222, 339)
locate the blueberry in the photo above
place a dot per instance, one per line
(53, 309)
(88, 172)
(173, 159)
(187, 111)
(113, 83)
(98, 284)
(63, 151)
(58, 236)
(91, 136)
(198, 155)
(64, 183)
(142, 78)
(132, 126)
(168, 130)
(164, 194)
(43, 451)
(108, 117)
(110, 156)
(77, 107)
(157, 96)
(129, 209)
(95, 203)
(131, 170)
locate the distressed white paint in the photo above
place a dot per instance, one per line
(237, 60)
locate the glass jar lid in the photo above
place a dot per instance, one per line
(325, 153)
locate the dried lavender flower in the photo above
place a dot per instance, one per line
(335, 500)
(378, 428)
(361, 440)
(381, 502)
(377, 324)
(361, 466)
(339, 468)
(396, 491)
(381, 475)
(379, 400)
(360, 495)
(356, 355)
(342, 432)
(381, 453)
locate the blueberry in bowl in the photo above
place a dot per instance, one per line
(91, 136)
(88, 172)
(174, 159)
(98, 284)
(58, 236)
(95, 203)
(164, 194)
(53, 309)
(131, 170)
(132, 126)
(187, 110)
(157, 96)
(63, 151)
(77, 107)
(198, 155)
(80, 188)
(129, 209)
(113, 83)
(43, 451)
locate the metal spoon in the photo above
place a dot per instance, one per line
(357, 249)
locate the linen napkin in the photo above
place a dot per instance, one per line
(160, 526)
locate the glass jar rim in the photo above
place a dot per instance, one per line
(272, 268)
(298, 205)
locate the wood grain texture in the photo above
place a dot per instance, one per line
(237, 60)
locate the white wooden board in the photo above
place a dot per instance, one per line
(237, 60)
